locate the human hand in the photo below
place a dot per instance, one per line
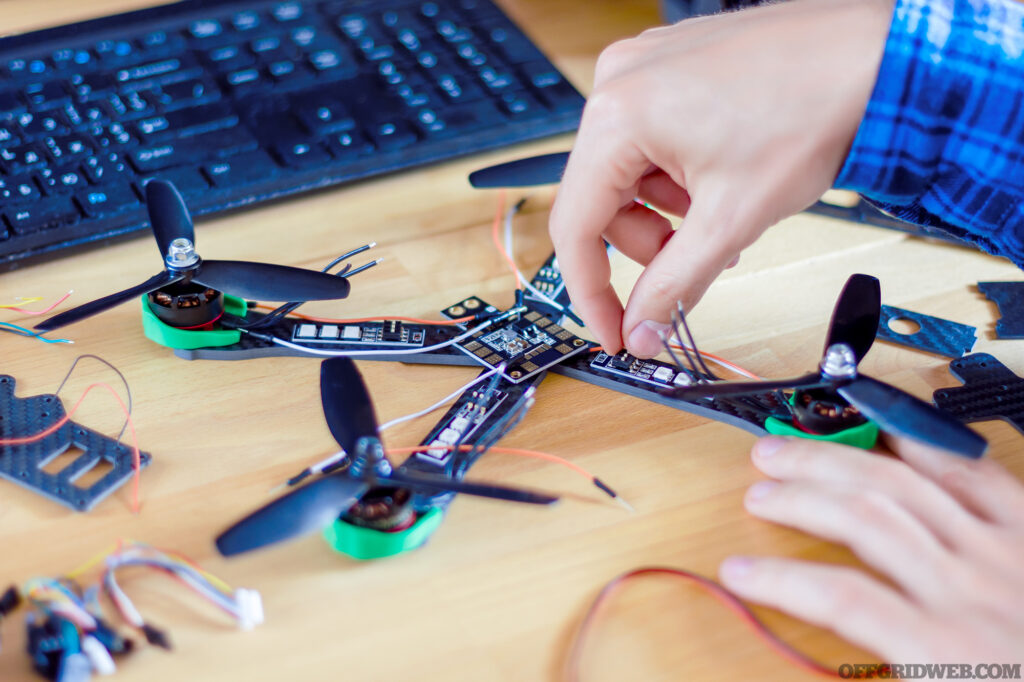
(734, 121)
(947, 532)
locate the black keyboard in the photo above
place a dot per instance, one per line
(242, 102)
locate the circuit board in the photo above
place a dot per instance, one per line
(526, 344)
(480, 415)
(660, 374)
(390, 333)
(637, 378)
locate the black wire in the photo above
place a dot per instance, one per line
(127, 388)
(283, 310)
(693, 343)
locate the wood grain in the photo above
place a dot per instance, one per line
(500, 588)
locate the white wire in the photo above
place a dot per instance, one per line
(509, 247)
(363, 353)
(318, 467)
(443, 401)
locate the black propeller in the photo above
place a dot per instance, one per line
(175, 237)
(351, 419)
(851, 333)
(535, 170)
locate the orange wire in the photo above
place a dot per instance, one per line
(498, 215)
(39, 312)
(136, 459)
(356, 320)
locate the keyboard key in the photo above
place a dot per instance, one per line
(205, 28)
(34, 125)
(188, 181)
(230, 57)
(191, 149)
(8, 134)
(245, 21)
(513, 45)
(520, 103)
(349, 145)
(104, 169)
(19, 188)
(391, 135)
(302, 154)
(112, 198)
(287, 11)
(241, 169)
(22, 158)
(41, 215)
(68, 148)
(186, 93)
(161, 71)
(62, 180)
(323, 115)
(46, 94)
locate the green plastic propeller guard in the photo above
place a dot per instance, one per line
(861, 436)
(187, 339)
(368, 543)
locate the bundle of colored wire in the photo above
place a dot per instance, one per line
(22, 301)
(65, 634)
(23, 331)
(327, 462)
(279, 313)
(572, 668)
(243, 605)
(509, 252)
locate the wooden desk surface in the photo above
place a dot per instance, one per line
(500, 588)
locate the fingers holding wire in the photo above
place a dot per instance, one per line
(638, 232)
(659, 190)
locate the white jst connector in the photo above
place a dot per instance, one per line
(250, 608)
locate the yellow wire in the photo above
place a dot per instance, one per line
(20, 301)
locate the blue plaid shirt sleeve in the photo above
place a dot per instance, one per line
(942, 140)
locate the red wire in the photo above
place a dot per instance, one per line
(723, 595)
(39, 312)
(136, 463)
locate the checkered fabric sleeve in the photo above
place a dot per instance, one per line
(942, 140)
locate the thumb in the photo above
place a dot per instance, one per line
(705, 243)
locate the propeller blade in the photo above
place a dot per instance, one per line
(168, 215)
(347, 405)
(267, 282)
(900, 413)
(731, 388)
(302, 511)
(99, 305)
(443, 484)
(856, 315)
(535, 170)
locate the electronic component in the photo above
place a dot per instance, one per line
(934, 334)
(79, 449)
(647, 371)
(387, 334)
(526, 343)
(472, 410)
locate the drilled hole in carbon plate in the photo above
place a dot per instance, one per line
(904, 326)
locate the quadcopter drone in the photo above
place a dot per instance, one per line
(517, 347)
